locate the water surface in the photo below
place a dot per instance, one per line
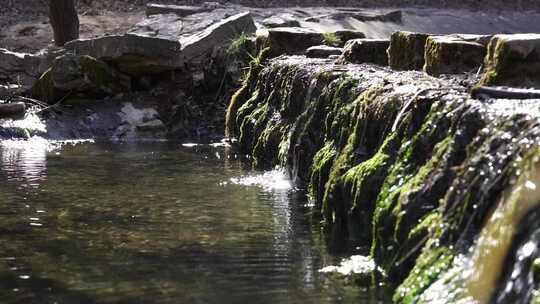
(156, 223)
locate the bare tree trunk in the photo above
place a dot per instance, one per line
(64, 21)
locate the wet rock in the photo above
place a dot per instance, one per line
(179, 10)
(366, 51)
(323, 51)
(406, 50)
(452, 55)
(289, 40)
(283, 20)
(139, 123)
(405, 162)
(75, 76)
(513, 60)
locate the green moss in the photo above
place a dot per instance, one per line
(430, 264)
(399, 208)
(322, 163)
(445, 56)
(362, 184)
(406, 51)
(242, 95)
(240, 46)
(266, 149)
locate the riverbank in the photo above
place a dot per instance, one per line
(410, 143)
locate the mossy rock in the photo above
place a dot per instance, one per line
(513, 60)
(451, 55)
(366, 51)
(79, 76)
(406, 51)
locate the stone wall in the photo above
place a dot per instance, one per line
(407, 165)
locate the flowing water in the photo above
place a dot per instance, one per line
(156, 223)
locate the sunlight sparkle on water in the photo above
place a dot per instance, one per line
(271, 180)
(356, 264)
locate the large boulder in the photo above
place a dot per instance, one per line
(73, 76)
(133, 54)
(366, 51)
(323, 51)
(199, 45)
(452, 55)
(166, 42)
(513, 60)
(406, 51)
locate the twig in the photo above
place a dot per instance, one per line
(58, 103)
(406, 106)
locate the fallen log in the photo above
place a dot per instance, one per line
(12, 110)
(482, 92)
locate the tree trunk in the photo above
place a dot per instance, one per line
(64, 21)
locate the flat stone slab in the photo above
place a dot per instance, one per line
(323, 51)
(199, 45)
(134, 54)
(452, 55)
(406, 50)
(283, 20)
(363, 16)
(179, 10)
(166, 26)
(289, 40)
(296, 40)
(166, 42)
(513, 60)
(345, 35)
(366, 51)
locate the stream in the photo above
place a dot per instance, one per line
(157, 222)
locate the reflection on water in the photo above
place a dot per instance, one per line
(26, 160)
(155, 223)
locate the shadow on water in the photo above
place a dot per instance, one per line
(157, 223)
